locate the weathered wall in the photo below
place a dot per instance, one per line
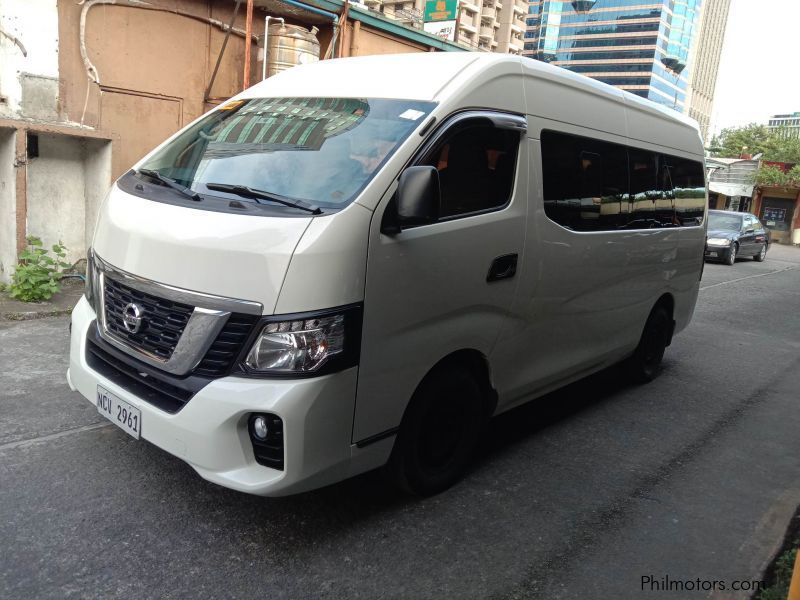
(153, 69)
(29, 83)
(370, 41)
(97, 174)
(55, 179)
(8, 220)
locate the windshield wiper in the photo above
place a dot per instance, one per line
(248, 192)
(171, 183)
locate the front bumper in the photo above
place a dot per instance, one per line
(210, 431)
(716, 252)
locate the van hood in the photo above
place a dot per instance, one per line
(237, 256)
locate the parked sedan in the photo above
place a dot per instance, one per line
(732, 235)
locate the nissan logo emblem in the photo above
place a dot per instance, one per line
(132, 317)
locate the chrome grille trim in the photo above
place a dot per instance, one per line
(205, 323)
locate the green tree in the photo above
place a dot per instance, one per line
(755, 139)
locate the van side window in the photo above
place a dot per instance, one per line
(476, 164)
(585, 182)
(647, 203)
(688, 189)
(594, 185)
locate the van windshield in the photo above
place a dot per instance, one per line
(322, 151)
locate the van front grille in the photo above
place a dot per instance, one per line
(162, 324)
(220, 357)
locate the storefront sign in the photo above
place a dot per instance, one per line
(443, 29)
(440, 10)
(774, 214)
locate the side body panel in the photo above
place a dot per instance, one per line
(584, 297)
(427, 294)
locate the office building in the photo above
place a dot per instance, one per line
(788, 125)
(704, 62)
(638, 45)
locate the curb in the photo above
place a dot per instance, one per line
(31, 315)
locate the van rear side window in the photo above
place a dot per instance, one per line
(594, 185)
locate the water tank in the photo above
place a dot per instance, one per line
(290, 45)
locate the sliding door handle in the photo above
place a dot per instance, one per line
(503, 267)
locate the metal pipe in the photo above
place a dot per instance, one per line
(248, 29)
(266, 39)
(332, 16)
(222, 50)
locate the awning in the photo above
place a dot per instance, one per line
(730, 189)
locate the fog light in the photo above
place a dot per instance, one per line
(260, 428)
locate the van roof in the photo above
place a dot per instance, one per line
(424, 75)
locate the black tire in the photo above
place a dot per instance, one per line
(730, 257)
(645, 363)
(762, 254)
(439, 432)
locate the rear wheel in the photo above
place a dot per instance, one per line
(730, 258)
(439, 432)
(645, 364)
(761, 255)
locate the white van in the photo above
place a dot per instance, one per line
(355, 263)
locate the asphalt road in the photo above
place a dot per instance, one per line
(578, 495)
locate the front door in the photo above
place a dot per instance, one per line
(430, 289)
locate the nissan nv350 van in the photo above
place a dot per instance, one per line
(356, 263)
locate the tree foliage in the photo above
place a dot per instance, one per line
(754, 139)
(774, 177)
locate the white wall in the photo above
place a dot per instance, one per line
(8, 205)
(35, 24)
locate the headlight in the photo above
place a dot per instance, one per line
(307, 344)
(718, 242)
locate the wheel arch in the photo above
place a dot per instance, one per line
(667, 302)
(477, 364)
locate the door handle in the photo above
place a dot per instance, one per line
(503, 267)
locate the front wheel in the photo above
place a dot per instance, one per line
(731, 256)
(439, 432)
(645, 363)
(761, 255)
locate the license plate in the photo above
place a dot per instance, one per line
(126, 417)
(712, 254)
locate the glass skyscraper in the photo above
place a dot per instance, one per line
(638, 45)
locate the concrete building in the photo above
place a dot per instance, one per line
(704, 64)
(642, 46)
(87, 89)
(487, 25)
(787, 125)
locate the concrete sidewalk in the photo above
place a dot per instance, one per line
(60, 304)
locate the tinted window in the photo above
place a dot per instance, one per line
(593, 185)
(476, 164)
(689, 189)
(585, 182)
(648, 205)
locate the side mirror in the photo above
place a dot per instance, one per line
(418, 196)
(416, 201)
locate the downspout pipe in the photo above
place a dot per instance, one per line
(332, 16)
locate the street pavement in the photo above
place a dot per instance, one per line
(580, 494)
